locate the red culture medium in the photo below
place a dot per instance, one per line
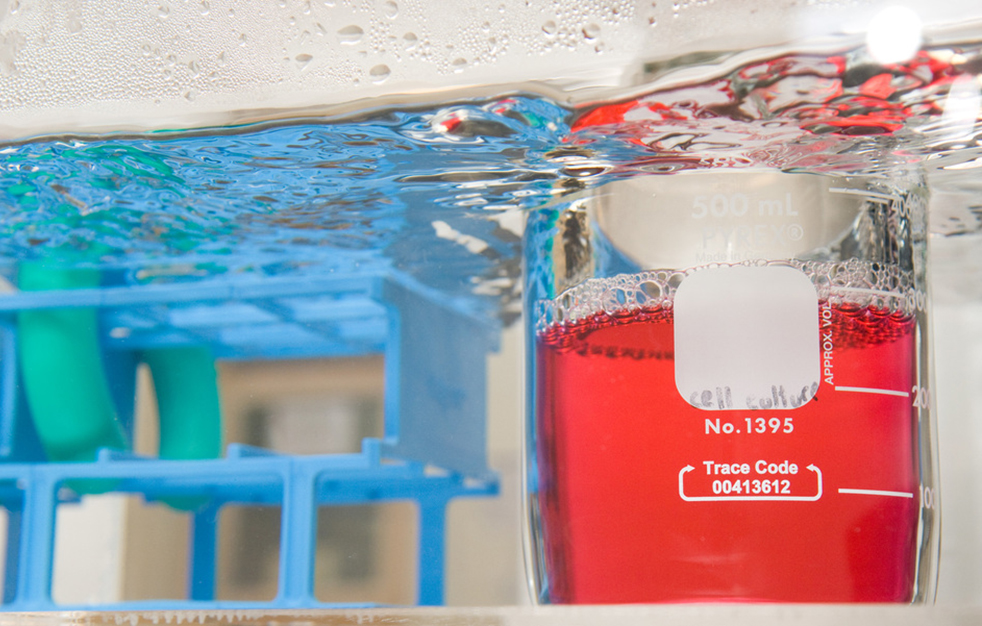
(764, 518)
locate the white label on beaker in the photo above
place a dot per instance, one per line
(747, 338)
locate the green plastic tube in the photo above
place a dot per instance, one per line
(62, 373)
(186, 384)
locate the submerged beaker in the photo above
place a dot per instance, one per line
(729, 380)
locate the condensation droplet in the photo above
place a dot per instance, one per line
(591, 31)
(329, 4)
(391, 9)
(243, 38)
(410, 39)
(459, 64)
(306, 8)
(74, 23)
(350, 34)
(379, 73)
(304, 58)
(549, 28)
(652, 21)
(205, 8)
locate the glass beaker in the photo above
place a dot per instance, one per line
(729, 390)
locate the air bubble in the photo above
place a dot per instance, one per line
(350, 34)
(390, 9)
(379, 73)
(651, 289)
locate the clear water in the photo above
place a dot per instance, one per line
(439, 192)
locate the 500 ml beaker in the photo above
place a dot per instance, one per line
(729, 391)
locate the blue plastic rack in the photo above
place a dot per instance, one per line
(432, 451)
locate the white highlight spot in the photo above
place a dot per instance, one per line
(962, 108)
(894, 35)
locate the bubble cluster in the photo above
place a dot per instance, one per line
(849, 285)
(615, 295)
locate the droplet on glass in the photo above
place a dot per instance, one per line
(350, 34)
(379, 73)
(591, 31)
(459, 64)
(74, 23)
(390, 8)
(205, 8)
(304, 58)
(410, 39)
(163, 11)
(549, 28)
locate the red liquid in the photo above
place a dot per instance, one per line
(614, 436)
